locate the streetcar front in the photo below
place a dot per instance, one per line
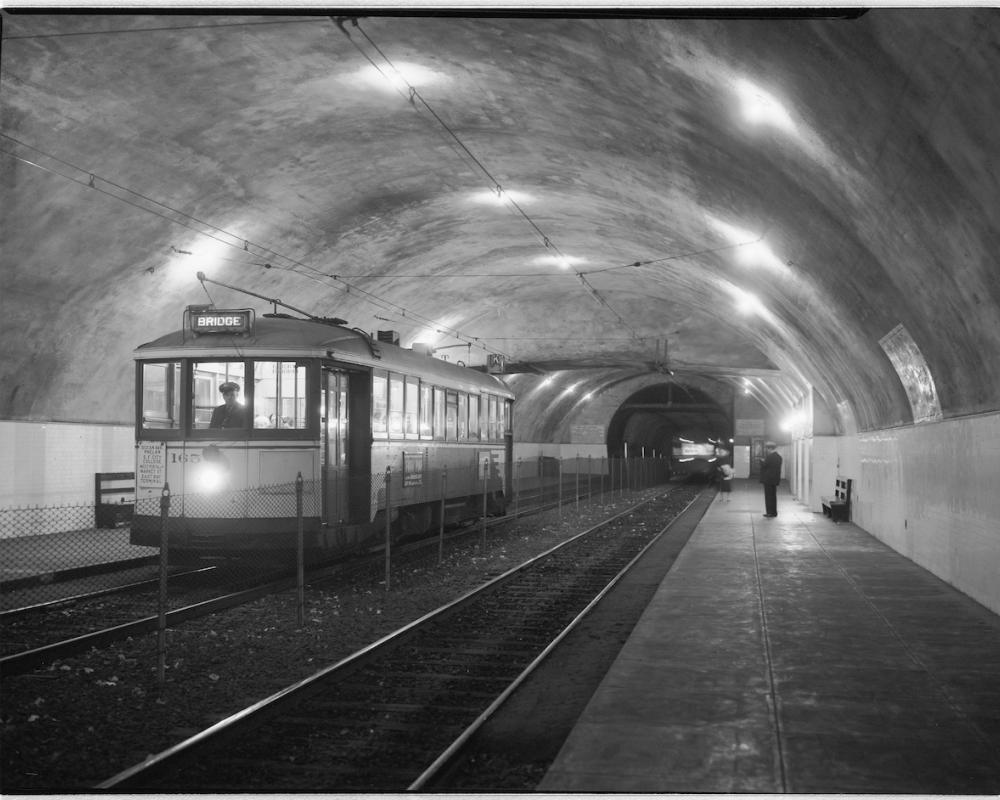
(227, 438)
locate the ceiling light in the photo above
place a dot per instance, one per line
(761, 108)
(563, 262)
(748, 303)
(397, 78)
(501, 196)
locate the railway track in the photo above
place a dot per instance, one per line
(390, 716)
(68, 626)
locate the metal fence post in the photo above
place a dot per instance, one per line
(486, 471)
(590, 481)
(576, 473)
(516, 488)
(559, 487)
(388, 524)
(300, 553)
(604, 462)
(444, 484)
(161, 632)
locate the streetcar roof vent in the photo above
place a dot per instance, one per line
(391, 337)
(422, 348)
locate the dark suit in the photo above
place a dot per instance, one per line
(770, 476)
(224, 417)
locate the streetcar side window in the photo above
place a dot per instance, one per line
(380, 406)
(463, 417)
(411, 415)
(209, 404)
(474, 417)
(451, 416)
(396, 397)
(493, 418)
(279, 395)
(426, 410)
(161, 392)
(438, 413)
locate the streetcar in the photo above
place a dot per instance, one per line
(242, 419)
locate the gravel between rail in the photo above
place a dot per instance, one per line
(74, 723)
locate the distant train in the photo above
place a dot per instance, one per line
(231, 409)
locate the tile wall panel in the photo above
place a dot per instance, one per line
(932, 492)
(53, 463)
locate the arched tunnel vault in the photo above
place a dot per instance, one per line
(795, 200)
(653, 418)
(646, 410)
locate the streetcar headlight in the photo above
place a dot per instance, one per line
(211, 477)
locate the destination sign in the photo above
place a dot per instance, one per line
(233, 321)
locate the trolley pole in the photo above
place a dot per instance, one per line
(300, 553)
(161, 632)
(388, 525)
(444, 492)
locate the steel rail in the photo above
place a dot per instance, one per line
(19, 663)
(165, 760)
(455, 748)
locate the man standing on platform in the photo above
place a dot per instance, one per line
(770, 476)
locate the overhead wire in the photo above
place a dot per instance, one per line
(412, 95)
(130, 197)
(94, 181)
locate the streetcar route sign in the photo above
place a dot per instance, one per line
(150, 468)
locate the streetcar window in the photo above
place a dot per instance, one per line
(451, 416)
(207, 379)
(463, 416)
(380, 405)
(438, 413)
(161, 384)
(493, 418)
(505, 408)
(474, 416)
(395, 405)
(411, 416)
(426, 410)
(279, 395)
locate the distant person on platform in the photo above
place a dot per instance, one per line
(770, 476)
(230, 414)
(726, 474)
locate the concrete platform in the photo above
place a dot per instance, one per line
(796, 655)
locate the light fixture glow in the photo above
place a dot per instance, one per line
(206, 255)
(762, 108)
(751, 249)
(210, 477)
(501, 196)
(396, 78)
(563, 262)
(748, 303)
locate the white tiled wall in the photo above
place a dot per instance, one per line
(53, 463)
(929, 491)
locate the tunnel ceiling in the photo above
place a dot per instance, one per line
(737, 199)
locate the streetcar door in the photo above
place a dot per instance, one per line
(336, 427)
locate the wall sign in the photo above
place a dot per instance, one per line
(749, 427)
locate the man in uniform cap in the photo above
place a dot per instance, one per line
(230, 414)
(770, 476)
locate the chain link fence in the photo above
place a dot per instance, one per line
(58, 551)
